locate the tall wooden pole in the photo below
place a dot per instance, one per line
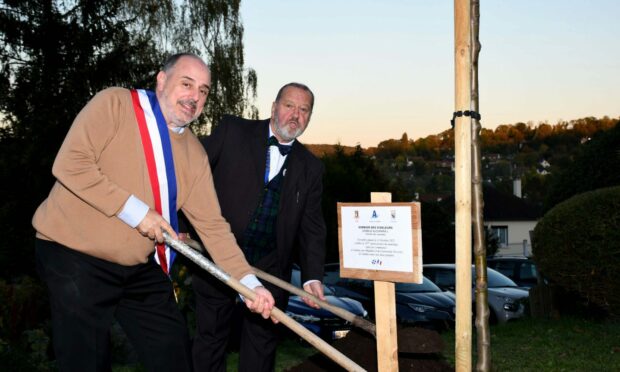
(462, 192)
(483, 339)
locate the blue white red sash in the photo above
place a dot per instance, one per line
(160, 165)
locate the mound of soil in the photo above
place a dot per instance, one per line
(418, 350)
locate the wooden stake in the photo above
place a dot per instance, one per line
(385, 310)
(462, 192)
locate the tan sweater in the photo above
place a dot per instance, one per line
(101, 163)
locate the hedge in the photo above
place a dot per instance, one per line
(577, 246)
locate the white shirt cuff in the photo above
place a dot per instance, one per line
(250, 281)
(311, 281)
(133, 211)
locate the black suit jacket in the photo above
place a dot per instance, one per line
(237, 150)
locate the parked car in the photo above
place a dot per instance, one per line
(506, 299)
(521, 270)
(424, 304)
(321, 322)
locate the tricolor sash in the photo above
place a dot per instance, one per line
(160, 165)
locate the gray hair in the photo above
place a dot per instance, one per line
(300, 86)
(173, 59)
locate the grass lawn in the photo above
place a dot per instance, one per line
(523, 345)
(290, 353)
(550, 345)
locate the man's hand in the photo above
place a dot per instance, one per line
(262, 304)
(153, 224)
(315, 288)
(184, 237)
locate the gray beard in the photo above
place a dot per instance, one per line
(284, 135)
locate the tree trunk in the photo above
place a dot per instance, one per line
(483, 339)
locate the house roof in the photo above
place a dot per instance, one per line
(499, 206)
(508, 207)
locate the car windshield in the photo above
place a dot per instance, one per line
(445, 277)
(497, 280)
(426, 286)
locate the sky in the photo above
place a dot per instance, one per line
(379, 69)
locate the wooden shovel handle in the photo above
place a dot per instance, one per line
(300, 330)
(344, 314)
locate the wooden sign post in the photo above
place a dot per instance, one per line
(385, 312)
(381, 241)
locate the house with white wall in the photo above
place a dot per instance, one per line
(511, 219)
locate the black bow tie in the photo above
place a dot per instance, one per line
(284, 149)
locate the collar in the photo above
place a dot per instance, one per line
(177, 130)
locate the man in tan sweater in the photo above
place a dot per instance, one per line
(97, 230)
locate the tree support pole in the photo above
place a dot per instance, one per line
(462, 195)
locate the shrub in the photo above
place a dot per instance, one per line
(577, 246)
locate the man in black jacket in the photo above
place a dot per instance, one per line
(269, 187)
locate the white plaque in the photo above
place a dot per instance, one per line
(377, 238)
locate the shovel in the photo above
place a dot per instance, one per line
(356, 320)
(276, 313)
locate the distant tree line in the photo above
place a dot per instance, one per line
(505, 140)
(536, 154)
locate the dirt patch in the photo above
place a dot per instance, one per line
(424, 352)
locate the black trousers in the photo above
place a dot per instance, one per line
(216, 316)
(87, 293)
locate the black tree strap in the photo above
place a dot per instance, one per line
(472, 114)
